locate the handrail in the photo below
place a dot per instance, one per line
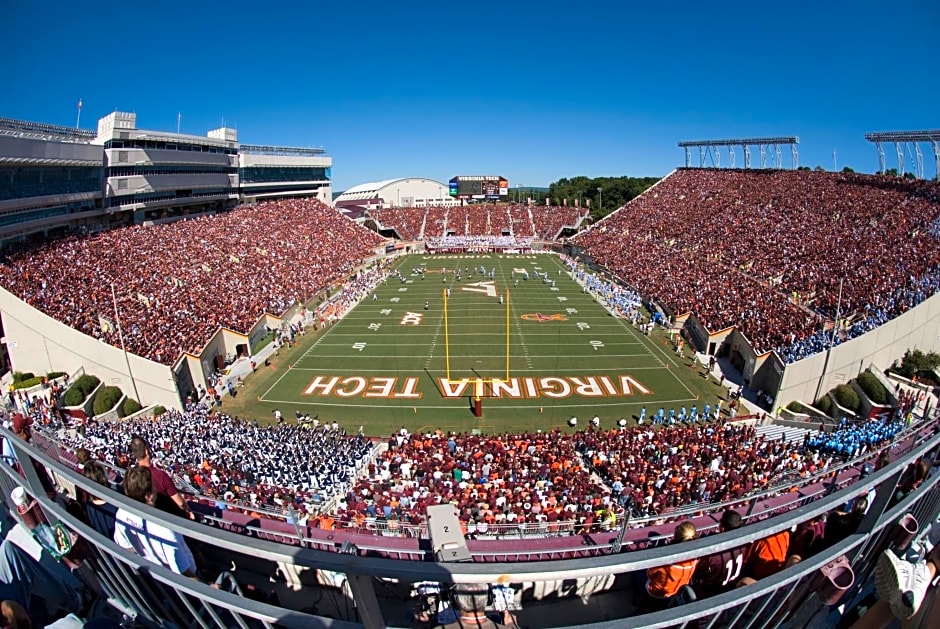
(863, 545)
(473, 572)
(567, 531)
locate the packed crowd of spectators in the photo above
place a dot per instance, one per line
(549, 221)
(850, 440)
(479, 220)
(658, 471)
(258, 467)
(177, 284)
(458, 219)
(500, 223)
(491, 479)
(767, 251)
(554, 480)
(407, 221)
(435, 222)
(521, 221)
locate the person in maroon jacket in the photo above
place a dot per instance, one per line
(169, 498)
(719, 572)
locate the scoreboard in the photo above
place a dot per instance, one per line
(479, 187)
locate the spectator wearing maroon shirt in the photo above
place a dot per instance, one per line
(169, 498)
(808, 539)
(719, 572)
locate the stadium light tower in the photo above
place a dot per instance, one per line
(120, 331)
(600, 199)
(710, 149)
(907, 139)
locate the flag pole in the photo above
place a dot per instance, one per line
(78, 119)
(179, 118)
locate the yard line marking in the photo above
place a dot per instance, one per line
(437, 333)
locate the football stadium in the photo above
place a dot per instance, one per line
(429, 402)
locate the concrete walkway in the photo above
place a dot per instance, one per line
(732, 379)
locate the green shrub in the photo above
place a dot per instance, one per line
(795, 406)
(20, 376)
(846, 397)
(158, 410)
(29, 382)
(72, 397)
(824, 404)
(873, 388)
(129, 407)
(80, 390)
(105, 400)
(52, 375)
(86, 384)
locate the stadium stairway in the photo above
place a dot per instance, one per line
(774, 432)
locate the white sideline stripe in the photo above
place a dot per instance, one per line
(594, 403)
(481, 356)
(529, 370)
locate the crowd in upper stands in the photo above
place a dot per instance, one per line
(518, 223)
(549, 221)
(408, 222)
(773, 253)
(177, 284)
(767, 251)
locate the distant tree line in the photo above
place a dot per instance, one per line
(891, 172)
(606, 194)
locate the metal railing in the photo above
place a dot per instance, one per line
(810, 488)
(153, 593)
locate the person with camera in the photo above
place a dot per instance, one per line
(470, 601)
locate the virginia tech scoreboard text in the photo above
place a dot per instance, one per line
(479, 187)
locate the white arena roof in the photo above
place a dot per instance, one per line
(374, 186)
(395, 192)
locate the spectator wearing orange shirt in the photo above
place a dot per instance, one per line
(768, 555)
(664, 582)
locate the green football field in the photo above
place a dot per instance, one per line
(403, 358)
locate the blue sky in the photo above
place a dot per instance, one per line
(530, 91)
